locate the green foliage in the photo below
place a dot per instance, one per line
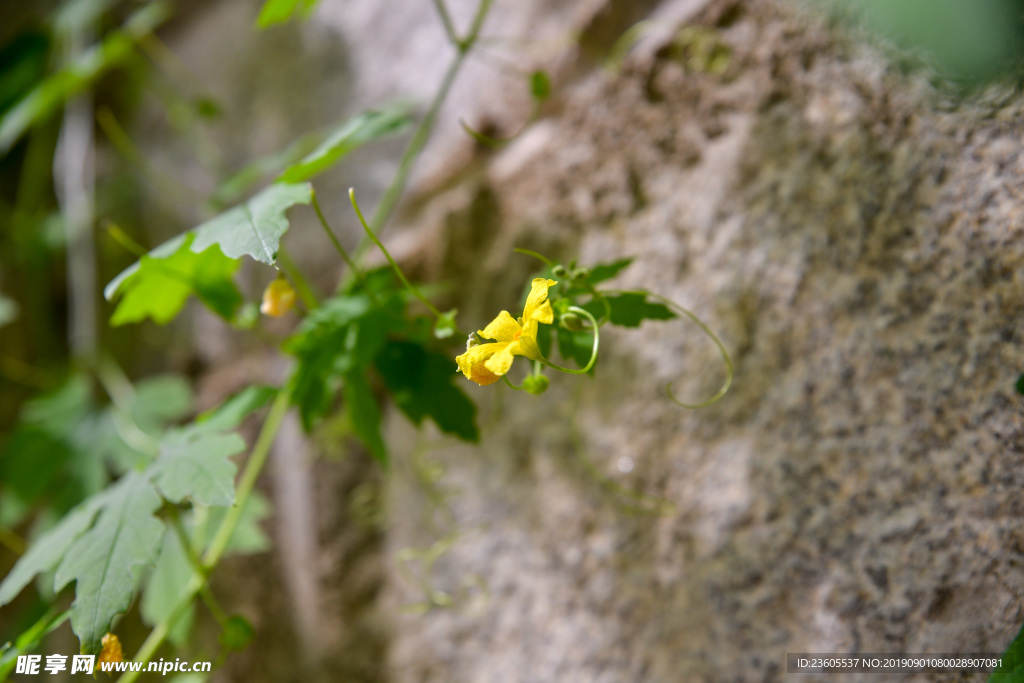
(107, 559)
(629, 309)
(280, 11)
(252, 229)
(353, 134)
(29, 640)
(423, 385)
(105, 542)
(47, 97)
(159, 286)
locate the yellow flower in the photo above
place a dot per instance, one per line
(486, 363)
(278, 298)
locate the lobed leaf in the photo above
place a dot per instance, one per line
(422, 383)
(252, 229)
(105, 560)
(630, 309)
(197, 468)
(158, 286)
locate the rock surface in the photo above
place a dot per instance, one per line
(855, 237)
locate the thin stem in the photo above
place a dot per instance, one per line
(118, 234)
(302, 286)
(334, 240)
(197, 566)
(246, 484)
(704, 328)
(593, 350)
(394, 266)
(548, 262)
(446, 19)
(423, 131)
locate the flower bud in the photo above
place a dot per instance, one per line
(278, 298)
(536, 384)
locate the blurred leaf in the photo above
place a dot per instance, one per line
(575, 346)
(47, 97)
(606, 271)
(361, 405)
(352, 134)
(422, 383)
(237, 634)
(445, 325)
(29, 640)
(280, 11)
(22, 65)
(197, 468)
(249, 536)
(48, 550)
(161, 399)
(160, 283)
(165, 586)
(263, 168)
(630, 309)
(229, 415)
(106, 560)
(8, 310)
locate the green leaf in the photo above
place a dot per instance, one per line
(197, 468)
(575, 345)
(249, 536)
(237, 634)
(341, 337)
(1020, 384)
(106, 560)
(1011, 667)
(165, 586)
(364, 414)
(422, 383)
(46, 551)
(352, 134)
(161, 399)
(280, 11)
(158, 285)
(47, 97)
(606, 271)
(254, 228)
(229, 415)
(445, 325)
(630, 309)
(251, 229)
(29, 640)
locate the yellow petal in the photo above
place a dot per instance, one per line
(537, 305)
(504, 328)
(527, 346)
(499, 363)
(472, 363)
